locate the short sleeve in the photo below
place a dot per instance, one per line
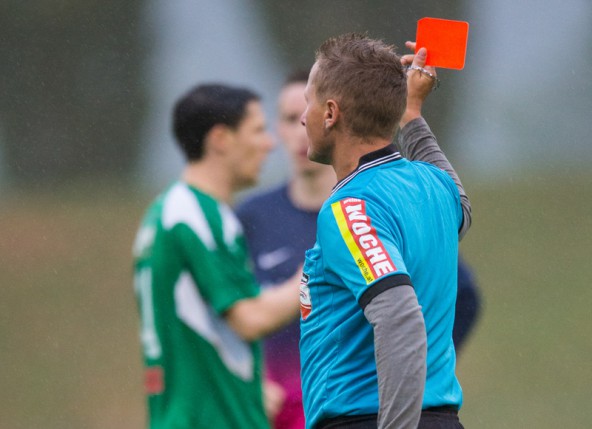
(361, 247)
(222, 275)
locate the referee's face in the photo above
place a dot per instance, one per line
(251, 142)
(320, 148)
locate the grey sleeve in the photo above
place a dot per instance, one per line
(400, 353)
(417, 143)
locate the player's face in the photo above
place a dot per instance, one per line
(320, 146)
(291, 105)
(252, 142)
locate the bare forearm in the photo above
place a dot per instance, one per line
(272, 309)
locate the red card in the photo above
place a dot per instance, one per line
(445, 40)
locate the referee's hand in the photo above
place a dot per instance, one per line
(421, 80)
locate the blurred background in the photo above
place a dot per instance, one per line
(86, 90)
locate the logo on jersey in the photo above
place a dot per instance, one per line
(154, 380)
(361, 239)
(305, 303)
(270, 260)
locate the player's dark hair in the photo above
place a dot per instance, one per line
(203, 107)
(366, 78)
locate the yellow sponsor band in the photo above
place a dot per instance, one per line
(350, 242)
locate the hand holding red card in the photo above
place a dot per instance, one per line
(445, 40)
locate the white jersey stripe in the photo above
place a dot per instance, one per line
(200, 317)
(180, 206)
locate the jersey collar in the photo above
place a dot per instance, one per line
(378, 157)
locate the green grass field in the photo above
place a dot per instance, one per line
(70, 354)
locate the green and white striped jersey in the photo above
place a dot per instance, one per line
(191, 265)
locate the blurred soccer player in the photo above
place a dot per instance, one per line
(201, 309)
(279, 226)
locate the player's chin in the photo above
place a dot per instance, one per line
(248, 181)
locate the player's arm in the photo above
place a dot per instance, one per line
(400, 352)
(231, 290)
(416, 139)
(274, 398)
(468, 302)
(253, 318)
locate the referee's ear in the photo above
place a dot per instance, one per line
(332, 114)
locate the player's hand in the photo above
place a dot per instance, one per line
(421, 80)
(274, 397)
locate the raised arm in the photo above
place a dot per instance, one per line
(416, 140)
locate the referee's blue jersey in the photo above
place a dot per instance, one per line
(391, 221)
